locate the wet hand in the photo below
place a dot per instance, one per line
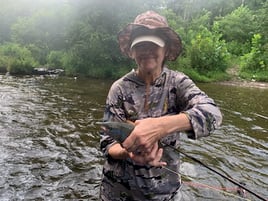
(145, 134)
(153, 158)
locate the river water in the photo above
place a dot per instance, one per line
(49, 144)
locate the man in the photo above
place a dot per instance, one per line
(161, 103)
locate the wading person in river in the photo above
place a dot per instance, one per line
(161, 103)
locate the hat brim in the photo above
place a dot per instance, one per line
(148, 38)
(171, 38)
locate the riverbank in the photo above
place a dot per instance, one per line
(237, 81)
(244, 83)
(234, 81)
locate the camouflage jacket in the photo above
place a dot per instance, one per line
(172, 93)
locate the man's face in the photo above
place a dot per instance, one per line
(148, 56)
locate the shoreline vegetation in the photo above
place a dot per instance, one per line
(233, 80)
(223, 40)
(236, 80)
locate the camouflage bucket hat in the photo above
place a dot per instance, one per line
(152, 23)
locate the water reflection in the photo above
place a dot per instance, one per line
(49, 144)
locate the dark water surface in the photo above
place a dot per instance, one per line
(49, 145)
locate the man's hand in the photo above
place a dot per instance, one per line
(145, 134)
(153, 158)
(150, 130)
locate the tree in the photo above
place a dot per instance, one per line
(17, 59)
(81, 35)
(93, 38)
(237, 28)
(254, 65)
(262, 19)
(208, 53)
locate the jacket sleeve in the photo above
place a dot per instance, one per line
(113, 112)
(201, 110)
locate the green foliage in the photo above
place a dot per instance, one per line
(42, 31)
(68, 61)
(237, 28)
(256, 61)
(17, 59)
(193, 74)
(3, 62)
(262, 19)
(258, 76)
(189, 9)
(93, 40)
(55, 59)
(208, 53)
(39, 53)
(237, 49)
(81, 36)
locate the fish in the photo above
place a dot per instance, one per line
(117, 130)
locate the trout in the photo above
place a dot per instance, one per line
(117, 130)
